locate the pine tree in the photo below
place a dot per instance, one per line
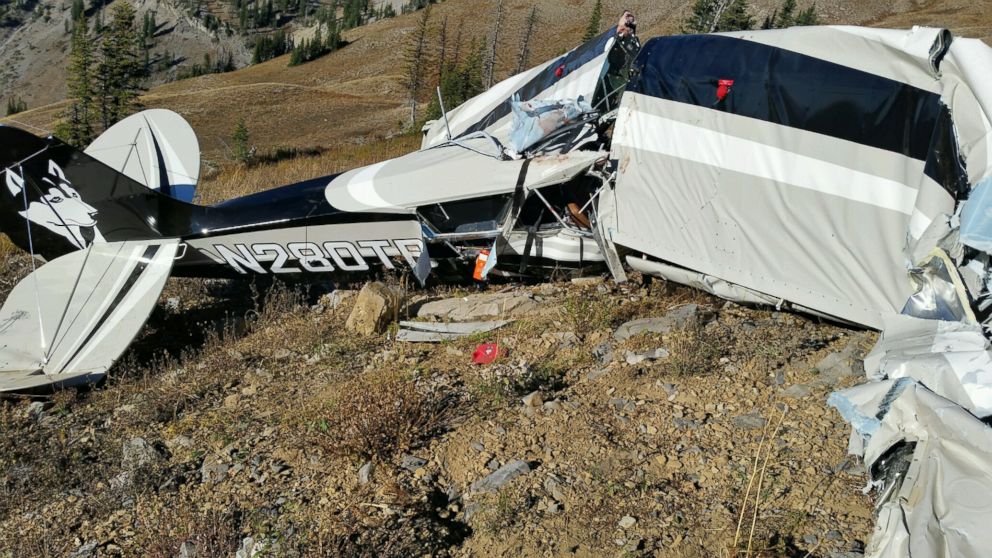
(316, 45)
(416, 61)
(460, 82)
(700, 19)
(736, 17)
(712, 16)
(79, 82)
(98, 21)
(595, 21)
(16, 105)
(78, 10)
(786, 16)
(120, 71)
(240, 139)
(808, 16)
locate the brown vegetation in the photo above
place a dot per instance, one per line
(379, 414)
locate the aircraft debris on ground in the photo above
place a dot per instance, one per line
(839, 171)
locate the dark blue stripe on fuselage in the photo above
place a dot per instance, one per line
(803, 92)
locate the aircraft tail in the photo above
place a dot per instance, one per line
(55, 199)
(156, 148)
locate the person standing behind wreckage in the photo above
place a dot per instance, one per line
(623, 49)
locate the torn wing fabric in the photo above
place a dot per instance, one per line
(942, 504)
(573, 75)
(156, 148)
(940, 293)
(951, 358)
(69, 320)
(537, 119)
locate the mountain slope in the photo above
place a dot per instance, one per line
(357, 92)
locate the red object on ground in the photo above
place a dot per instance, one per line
(723, 88)
(485, 353)
(560, 71)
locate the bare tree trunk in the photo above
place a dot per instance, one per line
(442, 48)
(524, 52)
(490, 66)
(720, 7)
(456, 49)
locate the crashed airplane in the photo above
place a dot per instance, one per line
(838, 171)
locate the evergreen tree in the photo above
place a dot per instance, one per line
(459, 82)
(16, 105)
(120, 71)
(786, 16)
(416, 63)
(736, 17)
(79, 82)
(240, 139)
(78, 10)
(712, 16)
(98, 21)
(355, 13)
(595, 21)
(316, 45)
(808, 16)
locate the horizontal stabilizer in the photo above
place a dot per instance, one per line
(68, 321)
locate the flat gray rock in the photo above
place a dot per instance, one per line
(479, 307)
(495, 480)
(637, 358)
(411, 462)
(365, 473)
(681, 317)
(433, 332)
(750, 421)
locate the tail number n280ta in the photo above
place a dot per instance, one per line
(298, 257)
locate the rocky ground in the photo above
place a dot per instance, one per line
(700, 429)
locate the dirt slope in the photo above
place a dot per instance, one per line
(292, 430)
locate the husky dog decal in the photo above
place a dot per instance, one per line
(59, 208)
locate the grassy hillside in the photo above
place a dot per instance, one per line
(357, 93)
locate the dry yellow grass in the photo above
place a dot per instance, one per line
(234, 180)
(7, 247)
(379, 414)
